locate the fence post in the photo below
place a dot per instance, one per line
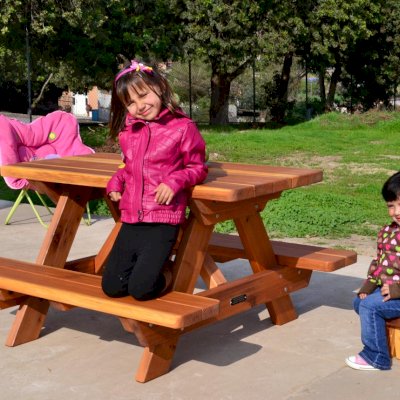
(28, 57)
(254, 90)
(190, 88)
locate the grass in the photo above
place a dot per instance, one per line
(356, 152)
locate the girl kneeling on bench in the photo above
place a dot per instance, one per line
(163, 155)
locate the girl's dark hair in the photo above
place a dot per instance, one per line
(391, 188)
(138, 80)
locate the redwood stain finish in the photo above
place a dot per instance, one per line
(237, 192)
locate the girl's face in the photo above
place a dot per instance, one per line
(143, 103)
(394, 210)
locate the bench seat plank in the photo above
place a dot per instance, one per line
(174, 310)
(224, 247)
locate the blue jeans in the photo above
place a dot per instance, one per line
(373, 312)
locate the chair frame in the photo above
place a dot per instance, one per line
(24, 193)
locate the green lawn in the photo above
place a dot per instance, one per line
(356, 152)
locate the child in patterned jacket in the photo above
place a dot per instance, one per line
(379, 297)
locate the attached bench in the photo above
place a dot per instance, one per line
(159, 323)
(224, 247)
(170, 314)
(173, 310)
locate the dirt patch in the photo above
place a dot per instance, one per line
(329, 163)
(303, 160)
(366, 169)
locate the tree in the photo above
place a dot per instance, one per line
(229, 35)
(372, 71)
(336, 26)
(80, 43)
(56, 32)
(331, 35)
(288, 25)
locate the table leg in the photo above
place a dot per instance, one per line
(159, 343)
(28, 321)
(54, 251)
(156, 360)
(95, 264)
(191, 254)
(105, 250)
(211, 274)
(252, 233)
(63, 227)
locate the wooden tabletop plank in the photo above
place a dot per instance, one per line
(61, 169)
(70, 163)
(298, 176)
(105, 156)
(222, 191)
(225, 182)
(261, 184)
(259, 168)
(65, 175)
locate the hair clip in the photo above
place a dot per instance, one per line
(135, 66)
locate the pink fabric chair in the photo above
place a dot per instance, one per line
(54, 135)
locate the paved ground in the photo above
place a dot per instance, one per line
(87, 355)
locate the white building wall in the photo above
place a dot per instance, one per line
(79, 105)
(104, 106)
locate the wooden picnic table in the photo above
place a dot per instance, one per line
(231, 191)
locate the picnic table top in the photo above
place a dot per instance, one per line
(226, 181)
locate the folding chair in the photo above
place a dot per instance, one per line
(54, 135)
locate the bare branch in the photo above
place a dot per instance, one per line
(38, 98)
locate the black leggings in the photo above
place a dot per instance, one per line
(136, 260)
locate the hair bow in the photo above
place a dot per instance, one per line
(135, 66)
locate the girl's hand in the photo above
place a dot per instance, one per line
(385, 292)
(115, 196)
(164, 194)
(362, 295)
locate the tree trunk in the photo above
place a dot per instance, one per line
(285, 77)
(220, 89)
(278, 111)
(332, 86)
(321, 81)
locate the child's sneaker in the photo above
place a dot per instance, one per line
(357, 362)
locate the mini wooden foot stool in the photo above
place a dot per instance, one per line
(393, 335)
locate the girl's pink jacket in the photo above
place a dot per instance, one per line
(167, 150)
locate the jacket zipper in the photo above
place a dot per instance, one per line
(140, 212)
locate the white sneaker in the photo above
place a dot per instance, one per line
(357, 362)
